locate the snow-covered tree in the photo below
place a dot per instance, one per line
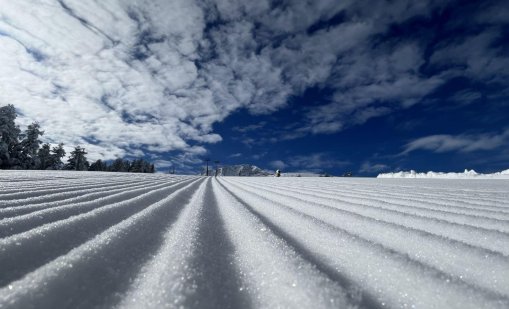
(57, 153)
(30, 146)
(77, 161)
(10, 150)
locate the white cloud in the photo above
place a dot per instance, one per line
(476, 56)
(462, 143)
(315, 161)
(249, 128)
(71, 67)
(278, 164)
(342, 57)
(368, 167)
(163, 164)
(465, 97)
(372, 84)
(258, 156)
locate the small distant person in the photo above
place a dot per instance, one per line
(278, 173)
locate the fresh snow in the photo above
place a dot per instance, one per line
(115, 240)
(465, 174)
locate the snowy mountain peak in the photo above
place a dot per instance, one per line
(237, 170)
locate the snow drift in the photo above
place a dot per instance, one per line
(466, 174)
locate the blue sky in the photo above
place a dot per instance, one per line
(330, 86)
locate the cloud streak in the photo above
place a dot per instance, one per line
(462, 143)
(368, 167)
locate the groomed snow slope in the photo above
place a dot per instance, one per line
(85, 240)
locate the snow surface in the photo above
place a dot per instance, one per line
(465, 174)
(114, 240)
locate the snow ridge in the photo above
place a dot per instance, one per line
(88, 240)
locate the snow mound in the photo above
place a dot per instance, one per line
(467, 174)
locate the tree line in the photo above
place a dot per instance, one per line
(25, 150)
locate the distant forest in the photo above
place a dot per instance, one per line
(24, 150)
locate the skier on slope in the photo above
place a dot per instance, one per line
(278, 173)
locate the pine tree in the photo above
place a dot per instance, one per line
(126, 166)
(117, 165)
(30, 146)
(10, 150)
(136, 166)
(77, 161)
(97, 166)
(145, 167)
(57, 153)
(44, 156)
